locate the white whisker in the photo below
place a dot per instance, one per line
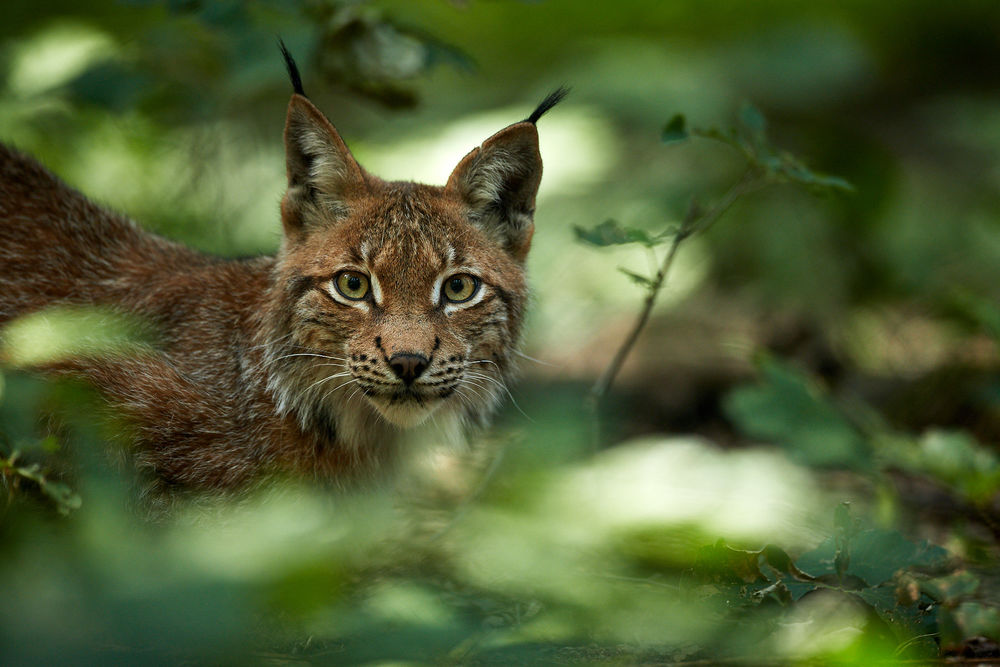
(309, 354)
(326, 379)
(502, 385)
(537, 361)
(332, 391)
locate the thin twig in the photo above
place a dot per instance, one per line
(694, 222)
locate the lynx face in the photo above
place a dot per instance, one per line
(417, 307)
(398, 300)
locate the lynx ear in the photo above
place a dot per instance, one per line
(498, 181)
(322, 174)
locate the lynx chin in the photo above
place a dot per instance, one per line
(387, 304)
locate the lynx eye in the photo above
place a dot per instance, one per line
(460, 288)
(352, 285)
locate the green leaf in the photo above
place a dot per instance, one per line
(953, 458)
(724, 563)
(777, 558)
(610, 232)
(875, 556)
(675, 130)
(787, 167)
(60, 332)
(721, 562)
(672, 547)
(790, 409)
(640, 280)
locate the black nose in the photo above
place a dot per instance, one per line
(408, 366)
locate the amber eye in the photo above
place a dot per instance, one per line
(351, 285)
(460, 288)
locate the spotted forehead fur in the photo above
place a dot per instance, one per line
(407, 234)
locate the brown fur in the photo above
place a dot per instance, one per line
(261, 365)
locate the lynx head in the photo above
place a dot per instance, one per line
(394, 300)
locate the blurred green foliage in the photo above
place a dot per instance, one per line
(818, 350)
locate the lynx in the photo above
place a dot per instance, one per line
(387, 304)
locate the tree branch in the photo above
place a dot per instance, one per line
(695, 222)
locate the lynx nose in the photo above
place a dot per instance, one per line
(407, 366)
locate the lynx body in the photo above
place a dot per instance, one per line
(387, 304)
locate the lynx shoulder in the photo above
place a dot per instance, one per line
(387, 303)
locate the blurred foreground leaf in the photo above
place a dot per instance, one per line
(982, 312)
(721, 560)
(61, 332)
(953, 459)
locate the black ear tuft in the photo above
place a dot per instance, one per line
(293, 70)
(554, 98)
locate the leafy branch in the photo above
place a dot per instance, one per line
(766, 165)
(13, 473)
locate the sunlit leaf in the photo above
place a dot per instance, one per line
(664, 547)
(957, 459)
(953, 458)
(58, 333)
(722, 562)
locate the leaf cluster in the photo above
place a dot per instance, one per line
(871, 572)
(765, 165)
(749, 137)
